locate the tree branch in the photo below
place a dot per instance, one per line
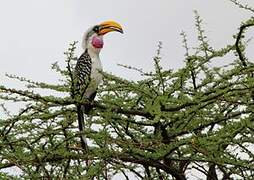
(238, 43)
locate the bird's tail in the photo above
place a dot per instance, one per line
(84, 109)
(81, 124)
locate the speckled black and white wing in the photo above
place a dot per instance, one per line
(82, 73)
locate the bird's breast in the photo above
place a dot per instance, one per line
(95, 71)
(96, 76)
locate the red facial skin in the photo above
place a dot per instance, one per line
(97, 42)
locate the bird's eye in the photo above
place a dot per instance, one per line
(96, 29)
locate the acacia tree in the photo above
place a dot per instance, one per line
(165, 126)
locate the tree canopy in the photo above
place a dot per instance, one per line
(168, 125)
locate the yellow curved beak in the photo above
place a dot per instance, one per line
(109, 26)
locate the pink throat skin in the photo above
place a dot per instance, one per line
(97, 42)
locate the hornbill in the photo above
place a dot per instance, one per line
(87, 74)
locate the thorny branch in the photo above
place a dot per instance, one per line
(238, 43)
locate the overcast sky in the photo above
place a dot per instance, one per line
(35, 33)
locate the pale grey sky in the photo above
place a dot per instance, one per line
(35, 33)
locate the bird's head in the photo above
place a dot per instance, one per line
(93, 37)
